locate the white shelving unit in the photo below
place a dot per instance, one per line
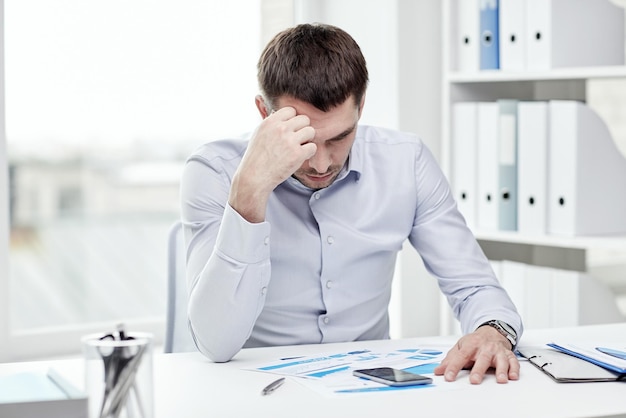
(489, 85)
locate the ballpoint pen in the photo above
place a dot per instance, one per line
(272, 386)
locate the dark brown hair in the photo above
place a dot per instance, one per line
(316, 63)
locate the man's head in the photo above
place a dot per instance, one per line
(319, 71)
(313, 63)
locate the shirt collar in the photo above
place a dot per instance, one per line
(355, 158)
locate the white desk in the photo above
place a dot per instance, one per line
(188, 385)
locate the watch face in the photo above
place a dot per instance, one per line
(507, 328)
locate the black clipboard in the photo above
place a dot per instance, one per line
(564, 368)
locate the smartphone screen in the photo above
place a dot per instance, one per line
(392, 377)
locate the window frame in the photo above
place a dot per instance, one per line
(5, 343)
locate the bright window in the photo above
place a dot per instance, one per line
(104, 101)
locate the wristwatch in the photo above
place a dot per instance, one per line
(504, 329)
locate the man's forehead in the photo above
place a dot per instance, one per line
(338, 121)
(335, 132)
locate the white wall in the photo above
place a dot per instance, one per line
(373, 24)
(419, 74)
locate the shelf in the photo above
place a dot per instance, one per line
(569, 83)
(494, 76)
(617, 242)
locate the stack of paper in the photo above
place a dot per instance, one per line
(331, 373)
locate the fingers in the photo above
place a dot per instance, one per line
(441, 369)
(296, 128)
(291, 123)
(506, 366)
(308, 150)
(514, 366)
(284, 113)
(481, 355)
(279, 146)
(482, 364)
(455, 360)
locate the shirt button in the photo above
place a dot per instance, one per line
(317, 196)
(330, 239)
(266, 241)
(329, 284)
(264, 291)
(326, 320)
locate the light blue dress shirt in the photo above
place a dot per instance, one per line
(319, 269)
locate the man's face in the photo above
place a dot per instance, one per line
(335, 131)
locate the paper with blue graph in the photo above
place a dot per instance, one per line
(331, 373)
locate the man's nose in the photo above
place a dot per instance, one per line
(320, 161)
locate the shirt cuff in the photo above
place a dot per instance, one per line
(241, 240)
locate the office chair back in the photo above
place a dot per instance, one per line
(177, 336)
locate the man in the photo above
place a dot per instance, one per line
(293, 233)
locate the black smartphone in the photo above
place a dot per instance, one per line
(393, 377)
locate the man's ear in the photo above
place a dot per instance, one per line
(260, 104)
